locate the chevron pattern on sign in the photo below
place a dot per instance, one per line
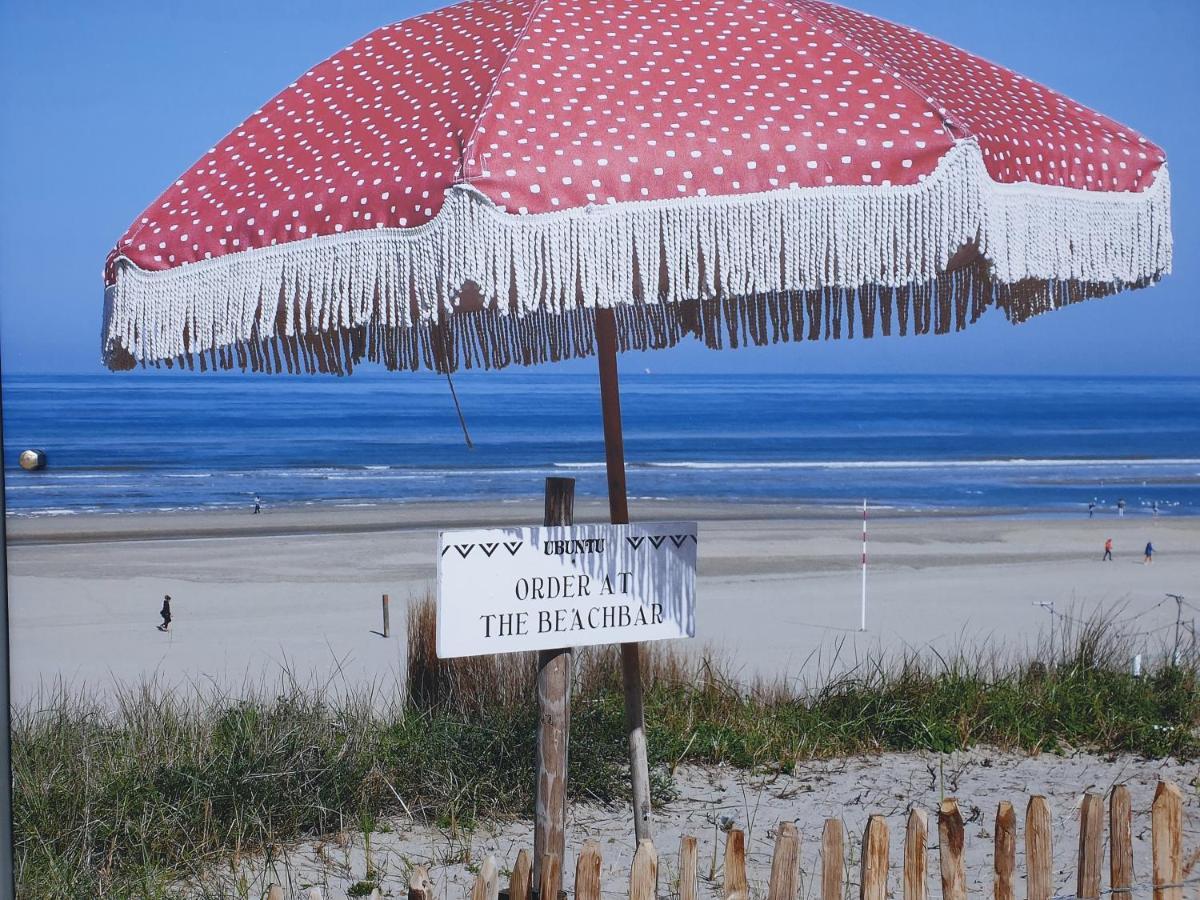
(464, 550)
(657, 540)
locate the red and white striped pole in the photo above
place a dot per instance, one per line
(863, 619)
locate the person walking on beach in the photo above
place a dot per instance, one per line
(1121, 507)
(1149, 554)
(165, 612)
(1092, 509)
(257, 504)
(1107, 551)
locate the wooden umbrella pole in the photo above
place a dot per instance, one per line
(618, 508)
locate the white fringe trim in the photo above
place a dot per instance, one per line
(477, 286)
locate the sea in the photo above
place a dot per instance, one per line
(117, 443)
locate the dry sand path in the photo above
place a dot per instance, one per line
(778, 589)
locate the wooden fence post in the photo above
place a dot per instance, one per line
(554, 717)
(587, 872)
(916, 868)
(1166, 837)
(951, 841)
(551, 877)
(688, 867)
(873, 882)
(1120, 837)
(487, 882)
(1091, 847)
(785, 864)
(387, 617)
(1006, 851)
(833, 855)
(736, 885)
(643, 876)
(1038, 849)
(274, 892)
(421, 888)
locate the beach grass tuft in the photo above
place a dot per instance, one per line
(159, 792)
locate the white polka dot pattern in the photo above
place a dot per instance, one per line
(370, 138)
(1026, 132)
(563, 104)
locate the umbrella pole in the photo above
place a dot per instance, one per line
(618, 508)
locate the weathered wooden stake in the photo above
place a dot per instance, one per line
(420, 887)
(1166, 837)
(833, 855)
(487, 882)
(873, 883)
(785, 864)
(618, 508)
(1039, 849)
(274, 892)
(1091, 847)
(1120, 837)
(737, 887)
(951, 843)
(916, 868)
(1006, 851)
(643, 876)
(554, 716)
(551, 877)
(587, 872)
(688, 867)
(520, 882)
(387, 617)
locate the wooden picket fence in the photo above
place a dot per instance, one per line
(1168, 882)
(1172, 872)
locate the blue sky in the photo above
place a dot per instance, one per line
(103, 105)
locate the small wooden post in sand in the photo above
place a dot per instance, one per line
(1166, 840)
(951, 844)
(554, 717)
(1091, 847)
(1039, 849)
(1006, 851)
(785, 864)
(737, 886)
(833, 853)
(643, 875)
(387, 618)
(1120, 830)
(916, 865)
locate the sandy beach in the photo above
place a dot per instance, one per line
(778, 587)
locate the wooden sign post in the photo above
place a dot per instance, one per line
(554, 721)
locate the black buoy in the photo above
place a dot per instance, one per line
(32, 460)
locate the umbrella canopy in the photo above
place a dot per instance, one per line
(468, 187)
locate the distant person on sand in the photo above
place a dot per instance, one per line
(1149, 554)
(165, 613)
(1154, 508)
(1092, 509)
(257, 504)
(1121, 507)
(1107, 551)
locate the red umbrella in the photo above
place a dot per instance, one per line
(508, 181)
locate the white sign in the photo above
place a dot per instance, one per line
(502, 590)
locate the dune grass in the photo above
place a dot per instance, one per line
(134, 797)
